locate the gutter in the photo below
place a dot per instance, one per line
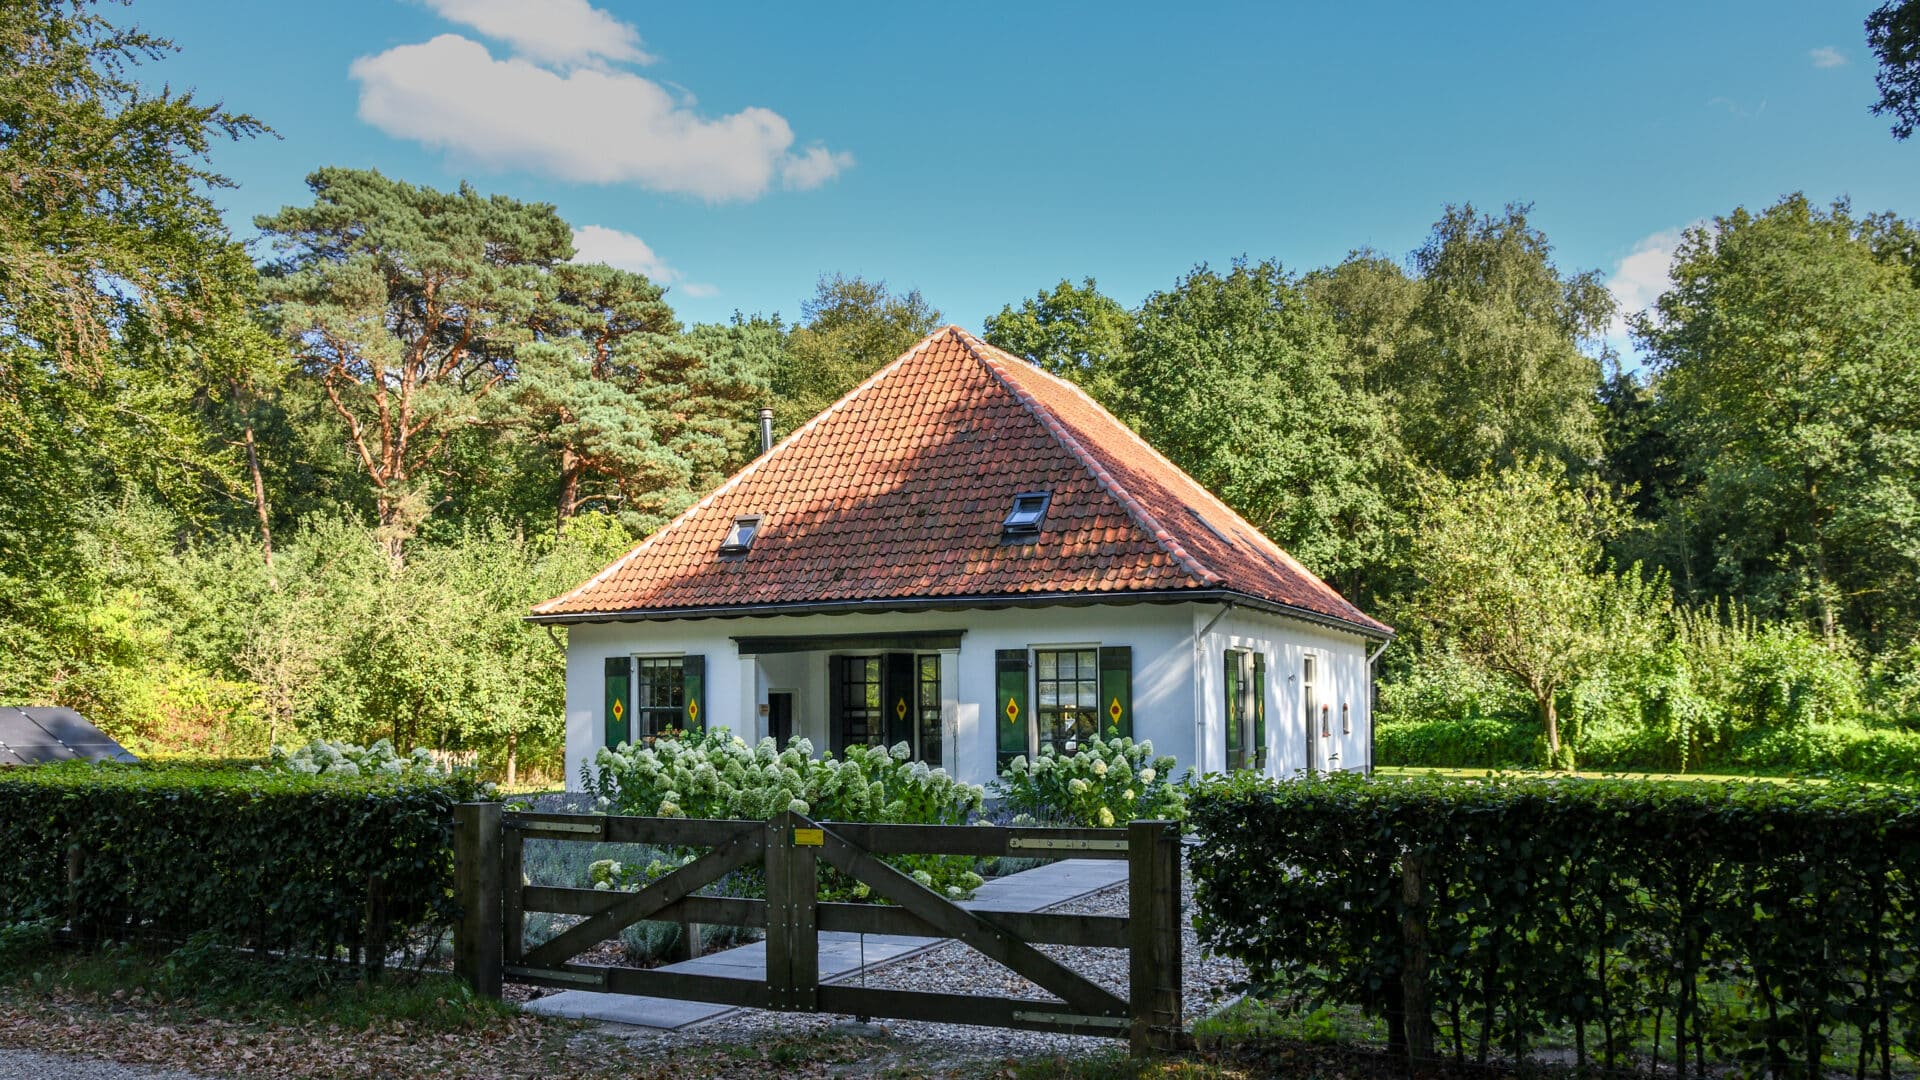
(1372, 697)
(1230, 597)
(1199, 710)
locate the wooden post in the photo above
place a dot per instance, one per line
(1153, 903)
(513, 909)
(793, 944)
(476, 883)
(1416, 1008)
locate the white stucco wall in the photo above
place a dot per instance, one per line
(1170, 707)
(1341, 677)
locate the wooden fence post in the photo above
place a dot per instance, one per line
(793, 946)
(1153, 907)
(477, 936)
(1415, 1006)
(513, 880)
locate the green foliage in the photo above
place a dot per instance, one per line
(1719, 923)
(1785, 360)
(1104, 783)
(1893, 33)
(305, 865)
(345, 761)
(852, 328)
(1074, 331)
(1466, 742)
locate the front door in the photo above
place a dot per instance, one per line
(780, 716)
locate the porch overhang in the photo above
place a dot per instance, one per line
(904, 641)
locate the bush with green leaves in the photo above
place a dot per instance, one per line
(1761, 926)
(343, 760)
(715, 774)
(301, 865)
(1102, 783)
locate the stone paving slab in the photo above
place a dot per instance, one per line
(841, 953)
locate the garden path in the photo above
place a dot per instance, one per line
(842, 955)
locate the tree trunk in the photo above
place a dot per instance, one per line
(1552, 713)
(259, 496)
(569, 485)
(513, 762)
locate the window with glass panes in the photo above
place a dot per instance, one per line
(1066, 689)
(929, 702)
(658, 694)
(862, 723)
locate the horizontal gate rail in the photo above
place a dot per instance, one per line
(494, 898)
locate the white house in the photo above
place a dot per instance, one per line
(970, 555)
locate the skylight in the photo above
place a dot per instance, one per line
(740, 537)
(1028, 511)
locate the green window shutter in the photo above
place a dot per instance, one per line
(1260, 710)
(1116, 689)
(1236, 746)
(693, 687)
(1011, 715)
(617, 709)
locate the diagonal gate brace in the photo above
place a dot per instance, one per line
(633, 907)
(957, 922)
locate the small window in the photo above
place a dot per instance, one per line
(1346, 718)
(740, 537)
(1027, 513)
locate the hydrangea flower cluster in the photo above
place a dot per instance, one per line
(1101, 782)
(717, 775)
(344, 760)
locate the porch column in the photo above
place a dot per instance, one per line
(752, 726)
(950, 740)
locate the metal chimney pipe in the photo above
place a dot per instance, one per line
(766, 430)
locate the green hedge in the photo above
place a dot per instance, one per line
(294, 864)
(1458, 744)
(1763, 924)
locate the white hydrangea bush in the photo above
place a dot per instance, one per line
(1101, 782)
(344, 760)
(718, 775)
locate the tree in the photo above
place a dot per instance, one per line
(1075, 331)
(1784, 355)
(853, 327)
(1371, 301)
(1495, 371)
(409, 306)
(1893, 32)
(1510, 574)
(1233, 377)
(109, 245)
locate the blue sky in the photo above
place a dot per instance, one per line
(983, 151)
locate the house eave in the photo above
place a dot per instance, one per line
(967, 603)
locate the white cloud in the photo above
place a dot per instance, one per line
(551, 31)
(1638, 279)
(553, 108)
(1826, 56)
(600, 244)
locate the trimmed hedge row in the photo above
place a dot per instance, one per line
(298, 865)
(1765, 924)
(1887, 754)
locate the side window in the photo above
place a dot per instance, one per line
(1066, 688)
(659, 694)
(1241, 712)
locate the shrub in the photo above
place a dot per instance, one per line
(304, 865)
(1103, 783)
(716, 774)
(1457, 744)
(1757, 921)
(342, 760)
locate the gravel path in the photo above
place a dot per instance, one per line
(955, 968)
(31, 1065)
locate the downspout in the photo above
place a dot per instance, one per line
(1199, 712)
(1373, 696)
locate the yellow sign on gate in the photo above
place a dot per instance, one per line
(809, 838)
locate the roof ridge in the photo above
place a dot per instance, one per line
(1101, 474)
(1256, 535)
(752, 467)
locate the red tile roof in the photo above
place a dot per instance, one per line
(895, 496)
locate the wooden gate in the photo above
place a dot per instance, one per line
(494, 902)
